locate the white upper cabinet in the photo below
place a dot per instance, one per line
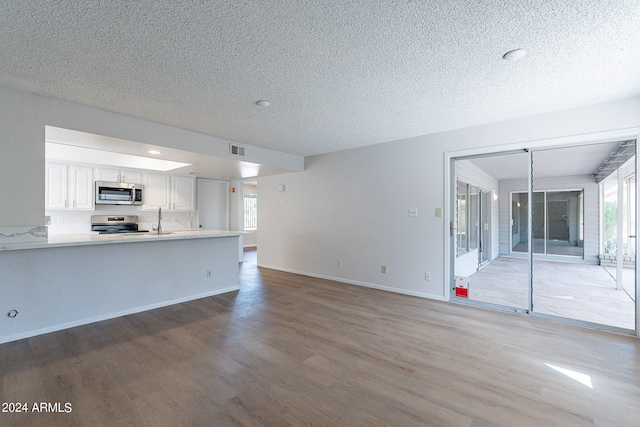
(115, 175)
(68, 187)
(173, 193)
(56, 186)
(183, 193)
(72, 186)
(131, 177)
(81, 188)
(157, 192)
(110, 175)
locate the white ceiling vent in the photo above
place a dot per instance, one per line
(236, 150)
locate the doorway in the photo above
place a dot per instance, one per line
(558, 223)
(250, 215)
(550, 256)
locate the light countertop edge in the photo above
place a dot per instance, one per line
(102, 239)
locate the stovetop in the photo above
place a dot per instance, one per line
(113, 224)
(122, 231)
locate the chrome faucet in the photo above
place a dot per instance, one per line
(159, 220)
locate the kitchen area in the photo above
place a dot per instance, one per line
(122, 233)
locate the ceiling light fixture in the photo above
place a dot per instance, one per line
(155, 152)
(514, 55)
(263, 103)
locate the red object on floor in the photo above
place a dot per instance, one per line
(462, 292)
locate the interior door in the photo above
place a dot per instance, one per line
(213, 204)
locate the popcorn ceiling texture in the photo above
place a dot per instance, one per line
(339, 74)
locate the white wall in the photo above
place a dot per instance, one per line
(353, 205)
(23, 118)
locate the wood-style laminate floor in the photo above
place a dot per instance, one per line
(288, 350)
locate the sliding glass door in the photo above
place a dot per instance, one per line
(571, 276)
(550, 232)
(482, 274)
(557, 222)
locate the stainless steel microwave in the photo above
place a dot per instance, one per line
(118, 193)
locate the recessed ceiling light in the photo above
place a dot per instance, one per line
(263, 103)
(155, 152)
(514, 55)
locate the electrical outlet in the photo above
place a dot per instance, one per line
(209, 274)
(339, 263)
(427, 276)
(413, 212)
(383, 269)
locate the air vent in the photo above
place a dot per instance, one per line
(236, 150)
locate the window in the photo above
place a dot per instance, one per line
(468, 217)
(462, 216)
(250, 211)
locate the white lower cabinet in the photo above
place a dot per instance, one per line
(68, 187)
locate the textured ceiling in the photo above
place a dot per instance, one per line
(338, 74)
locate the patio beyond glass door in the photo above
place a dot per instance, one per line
(557, 223)
(480, 267)
(570, 276)
(549, 231)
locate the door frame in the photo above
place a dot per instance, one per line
(520, 146)
(546, 225)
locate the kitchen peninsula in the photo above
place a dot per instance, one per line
(66, 281)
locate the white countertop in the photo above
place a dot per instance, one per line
(100, 239)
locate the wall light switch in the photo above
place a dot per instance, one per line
(438, 212)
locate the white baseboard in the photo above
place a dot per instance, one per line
(86, 321)
(358, 283)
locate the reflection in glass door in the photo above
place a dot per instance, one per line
(557, 223)
(481, 262)
(550, 232)
(485, 228)
(576, 274)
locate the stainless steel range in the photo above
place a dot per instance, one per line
(115, 224)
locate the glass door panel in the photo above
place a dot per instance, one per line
(565, 212)
(486, 226)
(538, 229)
(576, 274)
(519, 222)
